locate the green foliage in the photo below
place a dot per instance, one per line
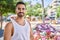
(6, 6)
(58, 12)
(34, 10)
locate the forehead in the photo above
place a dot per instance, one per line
(20, 6)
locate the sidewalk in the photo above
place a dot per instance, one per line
(1, 38)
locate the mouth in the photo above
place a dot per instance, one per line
(20, 13)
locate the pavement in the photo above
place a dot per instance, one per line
(1, 38)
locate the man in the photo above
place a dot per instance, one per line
(18, 28)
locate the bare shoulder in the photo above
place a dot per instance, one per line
(8, 25)
(8, 31)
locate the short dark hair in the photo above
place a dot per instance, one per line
(20, 3)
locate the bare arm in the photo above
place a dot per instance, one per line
(31, 33)
(7, 31)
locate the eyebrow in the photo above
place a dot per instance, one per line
(22, 8)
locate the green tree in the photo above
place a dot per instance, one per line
(34, 10)
(58, 12)
(6, 6)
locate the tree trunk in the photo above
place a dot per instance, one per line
(0, 20)
(43, 12)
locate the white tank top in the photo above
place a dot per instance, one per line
(21, 32)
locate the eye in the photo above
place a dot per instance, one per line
(19, 8)
(23, 8)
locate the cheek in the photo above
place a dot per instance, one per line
(16, 11)
(24, 11)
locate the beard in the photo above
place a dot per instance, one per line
(20, 14)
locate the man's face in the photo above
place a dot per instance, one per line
(20, 10)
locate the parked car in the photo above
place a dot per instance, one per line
(8, 18)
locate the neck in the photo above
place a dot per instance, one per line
(20, 18)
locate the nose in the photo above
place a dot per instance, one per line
(21, 10)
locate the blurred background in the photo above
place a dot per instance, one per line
(38, 12)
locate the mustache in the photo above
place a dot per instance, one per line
(20, 12)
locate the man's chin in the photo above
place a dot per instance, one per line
(20, 16)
